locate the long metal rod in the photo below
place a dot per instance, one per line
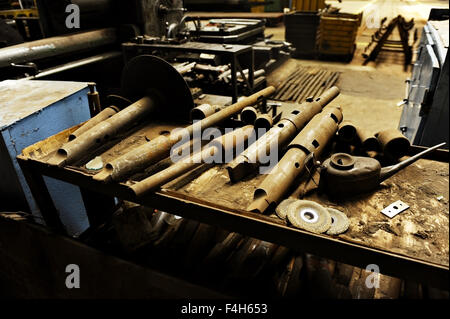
(310, 141)
(75, 64)
(218, 147)
(281, 134)
(54, 46)
(155, 150)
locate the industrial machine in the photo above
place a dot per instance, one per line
(425, 113)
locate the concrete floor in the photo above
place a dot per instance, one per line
(369, 94)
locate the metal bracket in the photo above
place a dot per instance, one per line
(394, 209)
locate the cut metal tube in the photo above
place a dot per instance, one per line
(99, 133)
(281, 134)
(264, 121)
(249, 115)
(155, 150)
(204, 110)
(310, 141)
(224, 144)
(393, 143)
(100, 117)
(368, 141)
(93, 100)
(347, 132)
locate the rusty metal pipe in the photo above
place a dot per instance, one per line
(311, 140)
(224, 144)
(100, 117)
(393, 143)
(281, 134)
(249, 115)
(153, 151)
(368, 141)
(204, 110)
(347, 132)
(264, 121)
(100, 132)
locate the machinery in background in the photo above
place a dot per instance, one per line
(381, 40)
(220, 56)
(22, 17)
(425, 117)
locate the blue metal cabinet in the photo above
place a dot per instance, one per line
(31, 111)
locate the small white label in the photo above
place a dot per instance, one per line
(395, 208)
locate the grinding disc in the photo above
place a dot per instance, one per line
(282, 208)
(339, 222)
(310, 216)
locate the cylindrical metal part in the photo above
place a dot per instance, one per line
(93, 100)
(153, 151)
(347, 132)
(312, 139)
(249, 115)
(281, 134)
(202, 111)
(393, 143)
(368, 141)
(264, 121)
(100, 117)
(218, 146)
(55, 46)
(96, 135)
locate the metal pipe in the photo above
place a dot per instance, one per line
(224, 144)
(55, 46)
(99, 133)
(310, 141)
(393, 143)
(74, 64)
(347, 132)
(100, 117)
(368, 141)
(281, 134)
(153, 151)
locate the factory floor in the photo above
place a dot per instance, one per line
(369, 94)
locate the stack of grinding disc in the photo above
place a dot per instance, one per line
(311, 216)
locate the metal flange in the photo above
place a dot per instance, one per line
(149, 75)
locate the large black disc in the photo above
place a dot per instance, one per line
(147, 73)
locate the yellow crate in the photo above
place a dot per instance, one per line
(338, 33)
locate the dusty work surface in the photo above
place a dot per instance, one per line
(421, 232)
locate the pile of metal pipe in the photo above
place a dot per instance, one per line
(158, 148)
(307, 145)
(305, 83)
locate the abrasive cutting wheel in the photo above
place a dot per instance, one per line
(282, 208)
(339, 222)
(149, 75)
(309, 215)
